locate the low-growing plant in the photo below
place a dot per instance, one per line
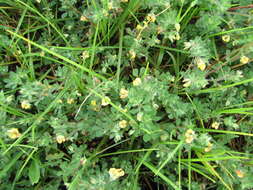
(126, 94)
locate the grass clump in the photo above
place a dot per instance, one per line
(126, 94)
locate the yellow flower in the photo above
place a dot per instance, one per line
(93, 103)
(60, 139)
(200, 63)
(105, 101)
(187, 45)
(85, 55)
(13, 133)
(116, 173)
(132, 54)
(124, 1)
(215, 125)
(177, 36)
(59, 101)
(139, 116)
(151, 17)
(110, 5)
(244, 59)
(83, 18)
(137, 82)
(139, 27)
(187, 83)
(190, 136)
(209, 147)
(25, 105)
(70, 100)
(226, 38)
(123, 93)
(177, 26)
(123, 124)
(239, 173)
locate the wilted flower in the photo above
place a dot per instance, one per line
(215, 125)
(187, 83)
(13, 133)
(226, 38)
(239, 173)
(25, 105)
(116, 173)
(123, 93)
(244, 59)
(60, 139)
(137, 82)
(123, 124)
(105, 101)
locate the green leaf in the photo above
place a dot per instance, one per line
(34, 172)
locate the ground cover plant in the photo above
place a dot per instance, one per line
(126, 94)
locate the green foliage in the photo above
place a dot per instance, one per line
(117, 94)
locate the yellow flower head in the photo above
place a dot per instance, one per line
(189, 136)
(177, 27)
(200, 63)
(13, 133)
(139, 116)
(93, 103)
(215, 125)
(25, 105)
(70, 100)
(85, 55)
(83, 18)
(123, 93)
(151, 17)
(226, 38)
(209, 147)
(137, 82)
(116, 173)
(105, 101)
(60, 139)
(187, 83)
(244, 59)
(132, 54)
(123, 124)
